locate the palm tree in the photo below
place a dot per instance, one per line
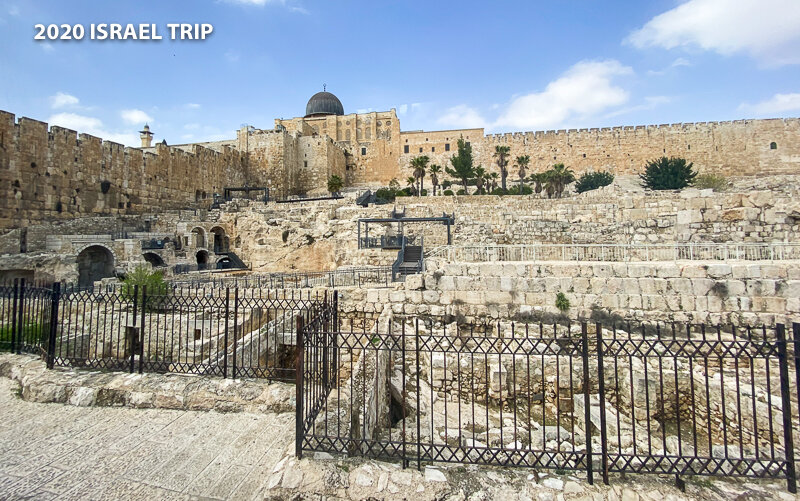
(435, 170)
(558, 178)
(412, 183)
(537, 178)
(501, 153)
(419, 164)
(335, 184)
(494, 176)
(480, 179)
(522, 164)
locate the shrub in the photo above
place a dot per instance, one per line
(387, 194)
(449, 192)
(285, 235)
(526, 190)
(153, 281)
(499, 191)
(446, 184)
(668, 174)
(594, 180)
(335, 184)
(562, 303)
(424, 193)
(711, 181)
(461, 192)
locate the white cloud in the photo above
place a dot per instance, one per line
(402, 109)
(584, 90)
(47, 47)
(63, 100)
(192, 106)
(232, 56)
(461, 116)
(260, 3)
(768, 30)
(93, 126)
(135, 117)
(650, 103)
(776, 105)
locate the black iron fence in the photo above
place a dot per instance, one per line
(665, 399)
(221, 332)
(349, 277)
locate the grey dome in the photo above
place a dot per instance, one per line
(324, 103)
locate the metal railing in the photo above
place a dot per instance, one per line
(348, 277)
(619, 252)
(384, 242)
(224, 332)
(662, 399)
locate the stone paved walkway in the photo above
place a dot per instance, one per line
(55, 451)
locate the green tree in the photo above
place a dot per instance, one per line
(411, 182)
(462, 163)
(419, 164)
(557, 179)
(435, 170)
(480, 179)
(501, 153)
(522, 165)
(150, 283)
(493, 177)
(537, 180)
(593, 180)
(335, 184)
(668, 174)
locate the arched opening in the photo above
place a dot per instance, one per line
(154, 259)
(202, 260)
(224, 264)
(94, 262)
(199, 237)
(220, 240)
(773, 145)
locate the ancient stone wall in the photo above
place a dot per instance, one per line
(737, 148)
(57, 174)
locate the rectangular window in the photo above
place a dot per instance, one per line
(433, 149)
(305, 163)
(447, 147)
(405, 149)
(420, 150)
(363, 151)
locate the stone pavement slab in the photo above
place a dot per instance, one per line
(57, 451)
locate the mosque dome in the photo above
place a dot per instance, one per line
(323, 103)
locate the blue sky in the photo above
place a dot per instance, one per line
(504, 65)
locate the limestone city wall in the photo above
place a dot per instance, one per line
(56, 173)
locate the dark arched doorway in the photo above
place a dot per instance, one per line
(220, 240)
(202, 260)
(154, 259)
(94, 262)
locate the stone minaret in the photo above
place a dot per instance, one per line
(146, 136)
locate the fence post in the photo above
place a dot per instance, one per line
(326, 337)
(51, 339)
(299, 426)
(225, 341)
(135, 316)
(788, 444)
(602, 388)
(21, 317)
(235, 330)
(335, 352)
(14, 302)
(796, 350)
(141, 329)
(586, 402)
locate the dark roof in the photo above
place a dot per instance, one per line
(324, 103)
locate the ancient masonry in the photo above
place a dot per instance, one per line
(57, 173)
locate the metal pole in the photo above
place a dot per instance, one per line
(131, 339)
(225, 341)
(141, 329)
(299, 425)
(20, 319)
(235, 329)
(786, 402)
(586, 402)
(14, 314)
(602, 390)
(51, 340)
